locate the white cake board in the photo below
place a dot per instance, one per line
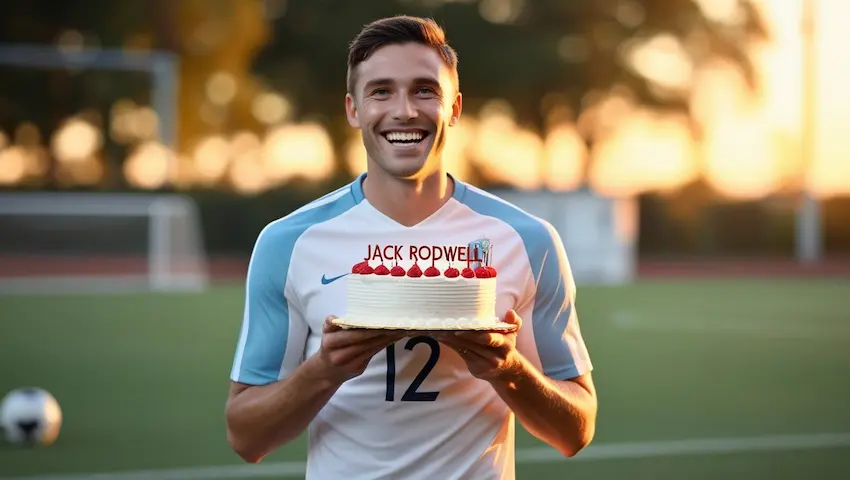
(427, 326)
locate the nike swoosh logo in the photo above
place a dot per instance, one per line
(326, 281)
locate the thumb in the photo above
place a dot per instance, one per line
(329, 326)
(513, 318)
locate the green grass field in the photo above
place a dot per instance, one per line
(142, 380)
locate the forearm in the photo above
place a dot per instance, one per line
(560, 413)
(259, 419)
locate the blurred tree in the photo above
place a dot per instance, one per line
(543, 57)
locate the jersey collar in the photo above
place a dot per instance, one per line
(357, 188)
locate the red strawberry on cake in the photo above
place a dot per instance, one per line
(405, 297)
(415, 271)
(451, 272)
(382, 270)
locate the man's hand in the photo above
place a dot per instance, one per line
(488, 355)
(345, 353)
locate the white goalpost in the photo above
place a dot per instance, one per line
(98, 243)
(92, 242)
(599, 233)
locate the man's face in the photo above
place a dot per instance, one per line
(403, 100)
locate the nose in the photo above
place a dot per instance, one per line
(404, 109)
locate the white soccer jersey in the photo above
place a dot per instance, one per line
(416, 412)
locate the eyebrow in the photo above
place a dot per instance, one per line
(388, 81)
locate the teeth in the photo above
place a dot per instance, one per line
(404, 136)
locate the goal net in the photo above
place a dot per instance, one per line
(87, 243)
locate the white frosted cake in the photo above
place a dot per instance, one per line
(396, 298)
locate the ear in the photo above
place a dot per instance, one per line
(351, 111)
(457, 108)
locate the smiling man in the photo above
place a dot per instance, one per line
(386, 404)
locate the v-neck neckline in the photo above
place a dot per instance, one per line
(457, 194)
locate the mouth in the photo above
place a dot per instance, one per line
(405, 137)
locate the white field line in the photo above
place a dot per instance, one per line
(610, 451)
(777, 331)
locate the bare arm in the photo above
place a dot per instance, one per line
(561, 413)
(262, 418)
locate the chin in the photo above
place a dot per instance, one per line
(407, 172)
(407, 167)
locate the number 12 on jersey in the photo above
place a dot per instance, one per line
(412, 394)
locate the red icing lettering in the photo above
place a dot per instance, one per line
(383, 252)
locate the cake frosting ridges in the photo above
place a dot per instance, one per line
(375, 298)
(414, 297)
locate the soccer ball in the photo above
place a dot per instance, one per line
(30, 416)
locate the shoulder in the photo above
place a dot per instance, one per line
(288, 229)
(279, 237)
(537, 235)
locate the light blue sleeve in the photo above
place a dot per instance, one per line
(549, 303)
(272, 328)
(560, 346)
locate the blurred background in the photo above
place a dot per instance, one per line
(693, 154)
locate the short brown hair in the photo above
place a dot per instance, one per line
(398, 30)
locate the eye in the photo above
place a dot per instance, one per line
(426, 91)
(380, 92)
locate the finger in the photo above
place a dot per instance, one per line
(513, 318)
(357, 360)
(346, 338)
(449, 338)
(348, 353)
(329, 326)
(475, 355)
(487, 339)
(461, 345)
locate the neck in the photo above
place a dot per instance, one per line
(407, 201)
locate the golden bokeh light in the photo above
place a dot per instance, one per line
(149, 166)
(298, 150)
(646, 151)
(221, 88)
(144, 123)
(664, 61)
(355, 154)
(566, 156)
(270, 108)
(457, 150)
(723, 11)
(211, 159)
(749, 146)
(76, 141)
(740, 162)
(501, 11)
(14, 165)
(510, 154)
(248, 174)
